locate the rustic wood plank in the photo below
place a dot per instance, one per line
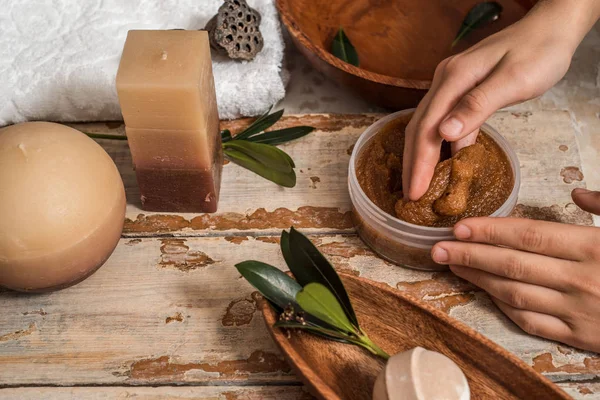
(166, 311)
(545, 142)
(585, 391)
(158, 393)
(153, 314)
(582, 390)
(172, 310)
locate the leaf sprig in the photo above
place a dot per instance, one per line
(478, 16)
(254, 150)
(342, 48)
(105, 136)
(315, 301)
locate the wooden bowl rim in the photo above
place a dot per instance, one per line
(324, 390)
(289, 22)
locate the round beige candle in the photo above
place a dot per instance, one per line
(62, 206)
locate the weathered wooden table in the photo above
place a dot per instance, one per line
(168, 316)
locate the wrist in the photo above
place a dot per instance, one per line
(564, 21)
(586, 8)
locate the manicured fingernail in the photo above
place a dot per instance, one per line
(462, 232)
(439, 255)
(451, 128)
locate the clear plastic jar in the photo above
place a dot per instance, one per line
(398, 241)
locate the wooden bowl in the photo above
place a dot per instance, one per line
(399, 42)
(397, 322)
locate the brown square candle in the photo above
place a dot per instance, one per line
(167, 96)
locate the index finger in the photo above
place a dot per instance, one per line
(448, 86)
(410, 192)
(553, 239)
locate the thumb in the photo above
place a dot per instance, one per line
(498, 90)
(587, 200)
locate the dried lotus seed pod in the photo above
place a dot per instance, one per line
(234, 31)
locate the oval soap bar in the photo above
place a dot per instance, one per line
(420, 374)
(62, 206)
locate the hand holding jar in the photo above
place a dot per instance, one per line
(544, 276)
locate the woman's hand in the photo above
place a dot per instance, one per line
(546, 277)
(516, 64)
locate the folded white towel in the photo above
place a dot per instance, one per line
(59, 58)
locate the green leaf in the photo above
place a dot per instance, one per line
(266, 154)
(277, 287)
(318, 300)
(226, 135)
(479, 15)
(284, 243)
(282, 135)
(308, 265)
(363, 341)
(286, 179)
(287, 156)
(327, 333)
(106, 137)
(343, 49)
(273, 284)
(265, 115)
(262, 116)
(256, 121)
(262, 123)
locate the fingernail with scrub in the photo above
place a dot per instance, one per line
(451, 128)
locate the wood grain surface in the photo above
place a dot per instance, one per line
(169, 308)
(545, 143)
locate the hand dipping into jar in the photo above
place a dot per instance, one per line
(480, 180)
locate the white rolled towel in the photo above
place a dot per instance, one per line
(59, 58)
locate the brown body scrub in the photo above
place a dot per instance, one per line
(475, 182)
(482, 179)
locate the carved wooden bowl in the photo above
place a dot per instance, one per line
(399, 42)
(398, 322)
